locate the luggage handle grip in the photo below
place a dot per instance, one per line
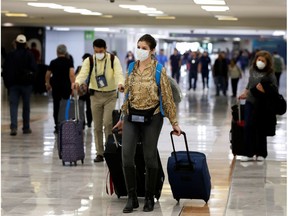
(186, 145)
(114, 132)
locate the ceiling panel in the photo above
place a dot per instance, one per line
(251, 14)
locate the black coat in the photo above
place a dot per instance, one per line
(265, 117)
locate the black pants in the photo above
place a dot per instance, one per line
(149, 137)
(176, 74)
(254, 138)
(56, 105)
(234, 84)
(192, 75)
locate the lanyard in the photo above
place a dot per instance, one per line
(96, 66)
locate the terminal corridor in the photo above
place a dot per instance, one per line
(35, 183)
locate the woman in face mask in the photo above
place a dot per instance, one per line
(259, 117)
(141, 118)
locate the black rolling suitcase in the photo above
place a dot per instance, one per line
(237, 129)
(188, 174)
(70, 137)
(113, 159)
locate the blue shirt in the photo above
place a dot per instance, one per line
(162, 59)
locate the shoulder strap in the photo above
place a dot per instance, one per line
(90, 70)
(158, 78)
(130, 67)
(112, 57)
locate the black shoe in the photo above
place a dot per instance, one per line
(89, 125)
(27, 131)
(149, 204)
(99, 158)
(132, 203)
(13, 132)
(55, 131)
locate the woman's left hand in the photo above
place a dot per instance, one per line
(176, 130)
(260, 88)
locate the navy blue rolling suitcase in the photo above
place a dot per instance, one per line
(188, 174)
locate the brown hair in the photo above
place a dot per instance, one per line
(269, 66)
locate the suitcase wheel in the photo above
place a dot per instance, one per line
(70, 163)
(63, 162)
(75, 163)
(118, 196)
(178, 199)
(82, 161)
(206, 201)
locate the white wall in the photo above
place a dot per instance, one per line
(77, 46)
(73, 40)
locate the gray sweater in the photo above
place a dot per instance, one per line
(255, 78)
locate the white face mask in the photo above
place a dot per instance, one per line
(100, 56)
(142, 55)
(260, 65)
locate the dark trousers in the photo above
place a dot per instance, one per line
(192, 75)
(205, 78)
(176, 74)
(234, 84)
(149, 138)
(86, 99)
(278, 74)
(220, 83)
(254, 137)
(15, 92)
(56, 106)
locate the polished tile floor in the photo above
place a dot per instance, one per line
(34, 182)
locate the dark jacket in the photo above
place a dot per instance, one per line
(265, 117)
(16, 65)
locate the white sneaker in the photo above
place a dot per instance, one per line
(260, 158)
(245, 159)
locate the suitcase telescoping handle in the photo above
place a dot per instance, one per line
(186, 145)
(76, 105)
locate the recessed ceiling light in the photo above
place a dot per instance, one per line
(151, 12)
(215, 8)
(131, 7)
(61, 29)
(210, 2)
(16, 15)
(91, 13)
(8, 24)
(166, 17)
(226, 18)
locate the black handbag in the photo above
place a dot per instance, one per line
(280, 105)
(141, 116)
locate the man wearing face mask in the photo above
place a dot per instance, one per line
(106, 77)
(259, 117)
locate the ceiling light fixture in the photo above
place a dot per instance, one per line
(166, 17)
(215, 8)
(210, 2)
(226, 18)
(16, 15)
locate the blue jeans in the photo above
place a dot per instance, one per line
(14, 96)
